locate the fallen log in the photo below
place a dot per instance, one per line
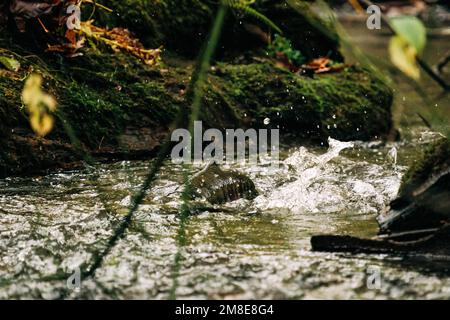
(429, 241)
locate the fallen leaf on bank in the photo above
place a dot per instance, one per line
(119, 39)
(10, 63)
(320, 65)
(39, 105)
(323, 65)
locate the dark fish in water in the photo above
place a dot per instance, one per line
(219, 186)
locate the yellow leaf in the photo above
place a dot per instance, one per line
(31, 90)
(39, 105)
(42, 123)
(403, 56)
(50, 102)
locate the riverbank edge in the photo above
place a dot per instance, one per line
(116, 108)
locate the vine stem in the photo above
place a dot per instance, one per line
(197, 85)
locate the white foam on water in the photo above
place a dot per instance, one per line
(330, 183)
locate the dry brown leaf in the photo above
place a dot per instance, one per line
(320, 65)
(119, 39)
(323, 65)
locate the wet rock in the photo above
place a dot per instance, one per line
(219, 186)
(417, 221)
(424, 198)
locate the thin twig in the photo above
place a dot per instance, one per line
(443, 62)
(406, 233)
(425, 121)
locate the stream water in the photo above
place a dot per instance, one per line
(244, 249)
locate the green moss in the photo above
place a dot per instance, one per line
(104, 95)
(348, 105)
(101, 94)
(308, 33)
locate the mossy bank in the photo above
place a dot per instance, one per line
(112, 106)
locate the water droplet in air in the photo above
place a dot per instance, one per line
(392, 154)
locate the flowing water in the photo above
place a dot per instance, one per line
(245, 249)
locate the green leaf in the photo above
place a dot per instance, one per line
(412, 30)
(10, 63)
(403, 56)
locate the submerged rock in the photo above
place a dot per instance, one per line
(218, 186)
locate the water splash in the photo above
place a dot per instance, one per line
(320, 185)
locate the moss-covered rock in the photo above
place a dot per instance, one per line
(424, 196)
(348, 105)
(118, 107)
(179, 25)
